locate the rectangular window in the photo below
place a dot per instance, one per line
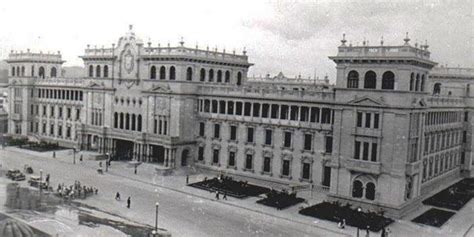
(247, 108)
(274, 111)
(427, 144)
(287, 139)
(359, 119)
(286, 168)
(328, 145)
(306, 171)
(267, 164)
(250, 135)
(357, 150)
(314, 118)
(215, 156)
(217, 130)
(233, 133)
(466, 116)
(201, 153)
(214, 106)
(52, 112)
(78, 114)
(373, 156)
(308, 140)
(464, 136)
(367, 119)
(230, 107)
(222, 107)
(326, 116)
(202, 127)
(284, 112)
(248, 162)
(238, 108)
(376, 121)
(207, 106)
(365, 151)
(256, 110)
(265, 109)
(268, 136)
(231, 158)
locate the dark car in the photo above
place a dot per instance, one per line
(15, 175)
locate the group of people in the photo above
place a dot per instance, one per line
(76, 190)
(383, 233)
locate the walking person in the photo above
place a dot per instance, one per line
(117, 196)
(225, 195)
(47, 179)
(367, 233)
(128, 202)
(217, 195)
(135, 169)
(383, 232)
(187, 179)
(80, 158)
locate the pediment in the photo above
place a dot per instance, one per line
(368, 101)
(160, 88)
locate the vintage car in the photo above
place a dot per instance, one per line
(15, 175)
(35, 181)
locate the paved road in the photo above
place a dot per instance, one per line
(182, 214)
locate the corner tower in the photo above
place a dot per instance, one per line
(382, 91)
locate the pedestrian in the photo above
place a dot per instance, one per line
(388, 232)
(187, 179)
(217, 195)
(225, 195)
(128, 202)
(135, 169)
(367, 233)
(80, 158)
(383, 233)
(54, 154)
(100, 164)
(47, 178)
(117, 196)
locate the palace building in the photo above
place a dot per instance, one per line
(392, 128)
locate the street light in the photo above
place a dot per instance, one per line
(156, 217)
(107, 162)
(359, 210)
(74, 155)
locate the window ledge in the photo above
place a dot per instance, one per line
(287, 148)
(268, 146)
(250, 143)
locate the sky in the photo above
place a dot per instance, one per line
(295, 37)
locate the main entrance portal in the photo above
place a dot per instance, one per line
(123, 150)
(157, 154)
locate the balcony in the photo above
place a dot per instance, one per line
(367, 132)
(363, 166)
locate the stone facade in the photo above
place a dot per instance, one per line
(391, 129)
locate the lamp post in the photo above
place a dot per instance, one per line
(359, 210)
(41, 180)
(107, 162)
(74, 155)
(156, 217)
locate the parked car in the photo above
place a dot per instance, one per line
(35, 181)
(15, 175)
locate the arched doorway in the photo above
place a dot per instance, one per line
(184, 157)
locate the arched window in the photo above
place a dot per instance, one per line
(115, 120)
(153, 72)
(106, 71)
(134, 120)
(41, 72)
(13, 71)
(422, 86)
(227, 76)
(121, 121)
(162, 73)
(412, 81)
(353, 79)
(437, 88)
(211, 75)
(139, 123)
(22, 71)
(172, 73)
(97, 71)
(417, 83)
(357, 189)
(189, 74)
(18, 71)
(53, 72)
(370, 191)
(33, 71)
(239, 78)
(370, 80)
(127, 121)
(388, 81)
(91, 71)
(203, 75)
(219, 76)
